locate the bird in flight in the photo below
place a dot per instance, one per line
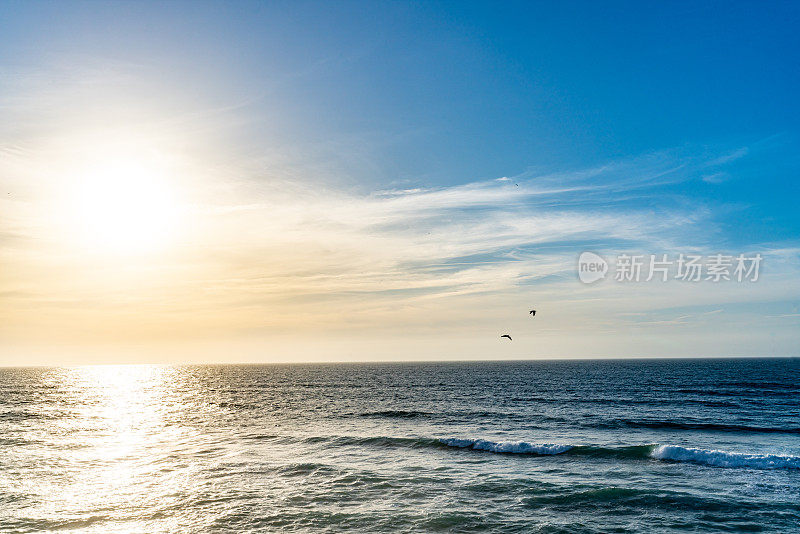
(506, 335)
(532, 312)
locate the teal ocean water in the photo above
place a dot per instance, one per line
(559, 446)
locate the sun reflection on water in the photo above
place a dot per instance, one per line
(128, 404)
(126, 437)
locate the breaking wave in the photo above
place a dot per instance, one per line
(510, 447)
(725, 459)
(670, 453)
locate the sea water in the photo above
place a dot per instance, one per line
(544, 446)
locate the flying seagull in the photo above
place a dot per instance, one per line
(532, 312)
(506, 335)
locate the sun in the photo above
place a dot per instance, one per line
(124, 207)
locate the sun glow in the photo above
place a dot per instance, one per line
(124, 207)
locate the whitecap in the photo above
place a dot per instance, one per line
(510, 447)
(717, 458)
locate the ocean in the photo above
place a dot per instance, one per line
(542, 446)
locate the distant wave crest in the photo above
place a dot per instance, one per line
(404, 414)
(725, 459)
(510, 447)
(677, 425)
(670, 453)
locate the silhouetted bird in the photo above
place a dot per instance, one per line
(506, 335)
(532, 312)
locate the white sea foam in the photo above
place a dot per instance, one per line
(512, 447)
(725, 459)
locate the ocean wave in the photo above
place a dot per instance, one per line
(671, 453)
(764, 385)
(712, 427)
(652, 451)
(509, 447)
(549, 449)
(402, 414)
(717, 458)
(371, 441)
(719, 391)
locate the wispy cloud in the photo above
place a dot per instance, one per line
(401, 247)
(729, 157)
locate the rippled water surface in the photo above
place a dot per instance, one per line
(566, 446)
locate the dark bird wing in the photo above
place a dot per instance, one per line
(506, 335)
(532, 312)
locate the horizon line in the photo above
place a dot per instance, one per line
(390, 361)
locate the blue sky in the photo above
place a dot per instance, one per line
(628, 126)
(445, 93)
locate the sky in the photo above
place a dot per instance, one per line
(359, 181)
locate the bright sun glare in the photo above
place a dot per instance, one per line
(124, 208)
